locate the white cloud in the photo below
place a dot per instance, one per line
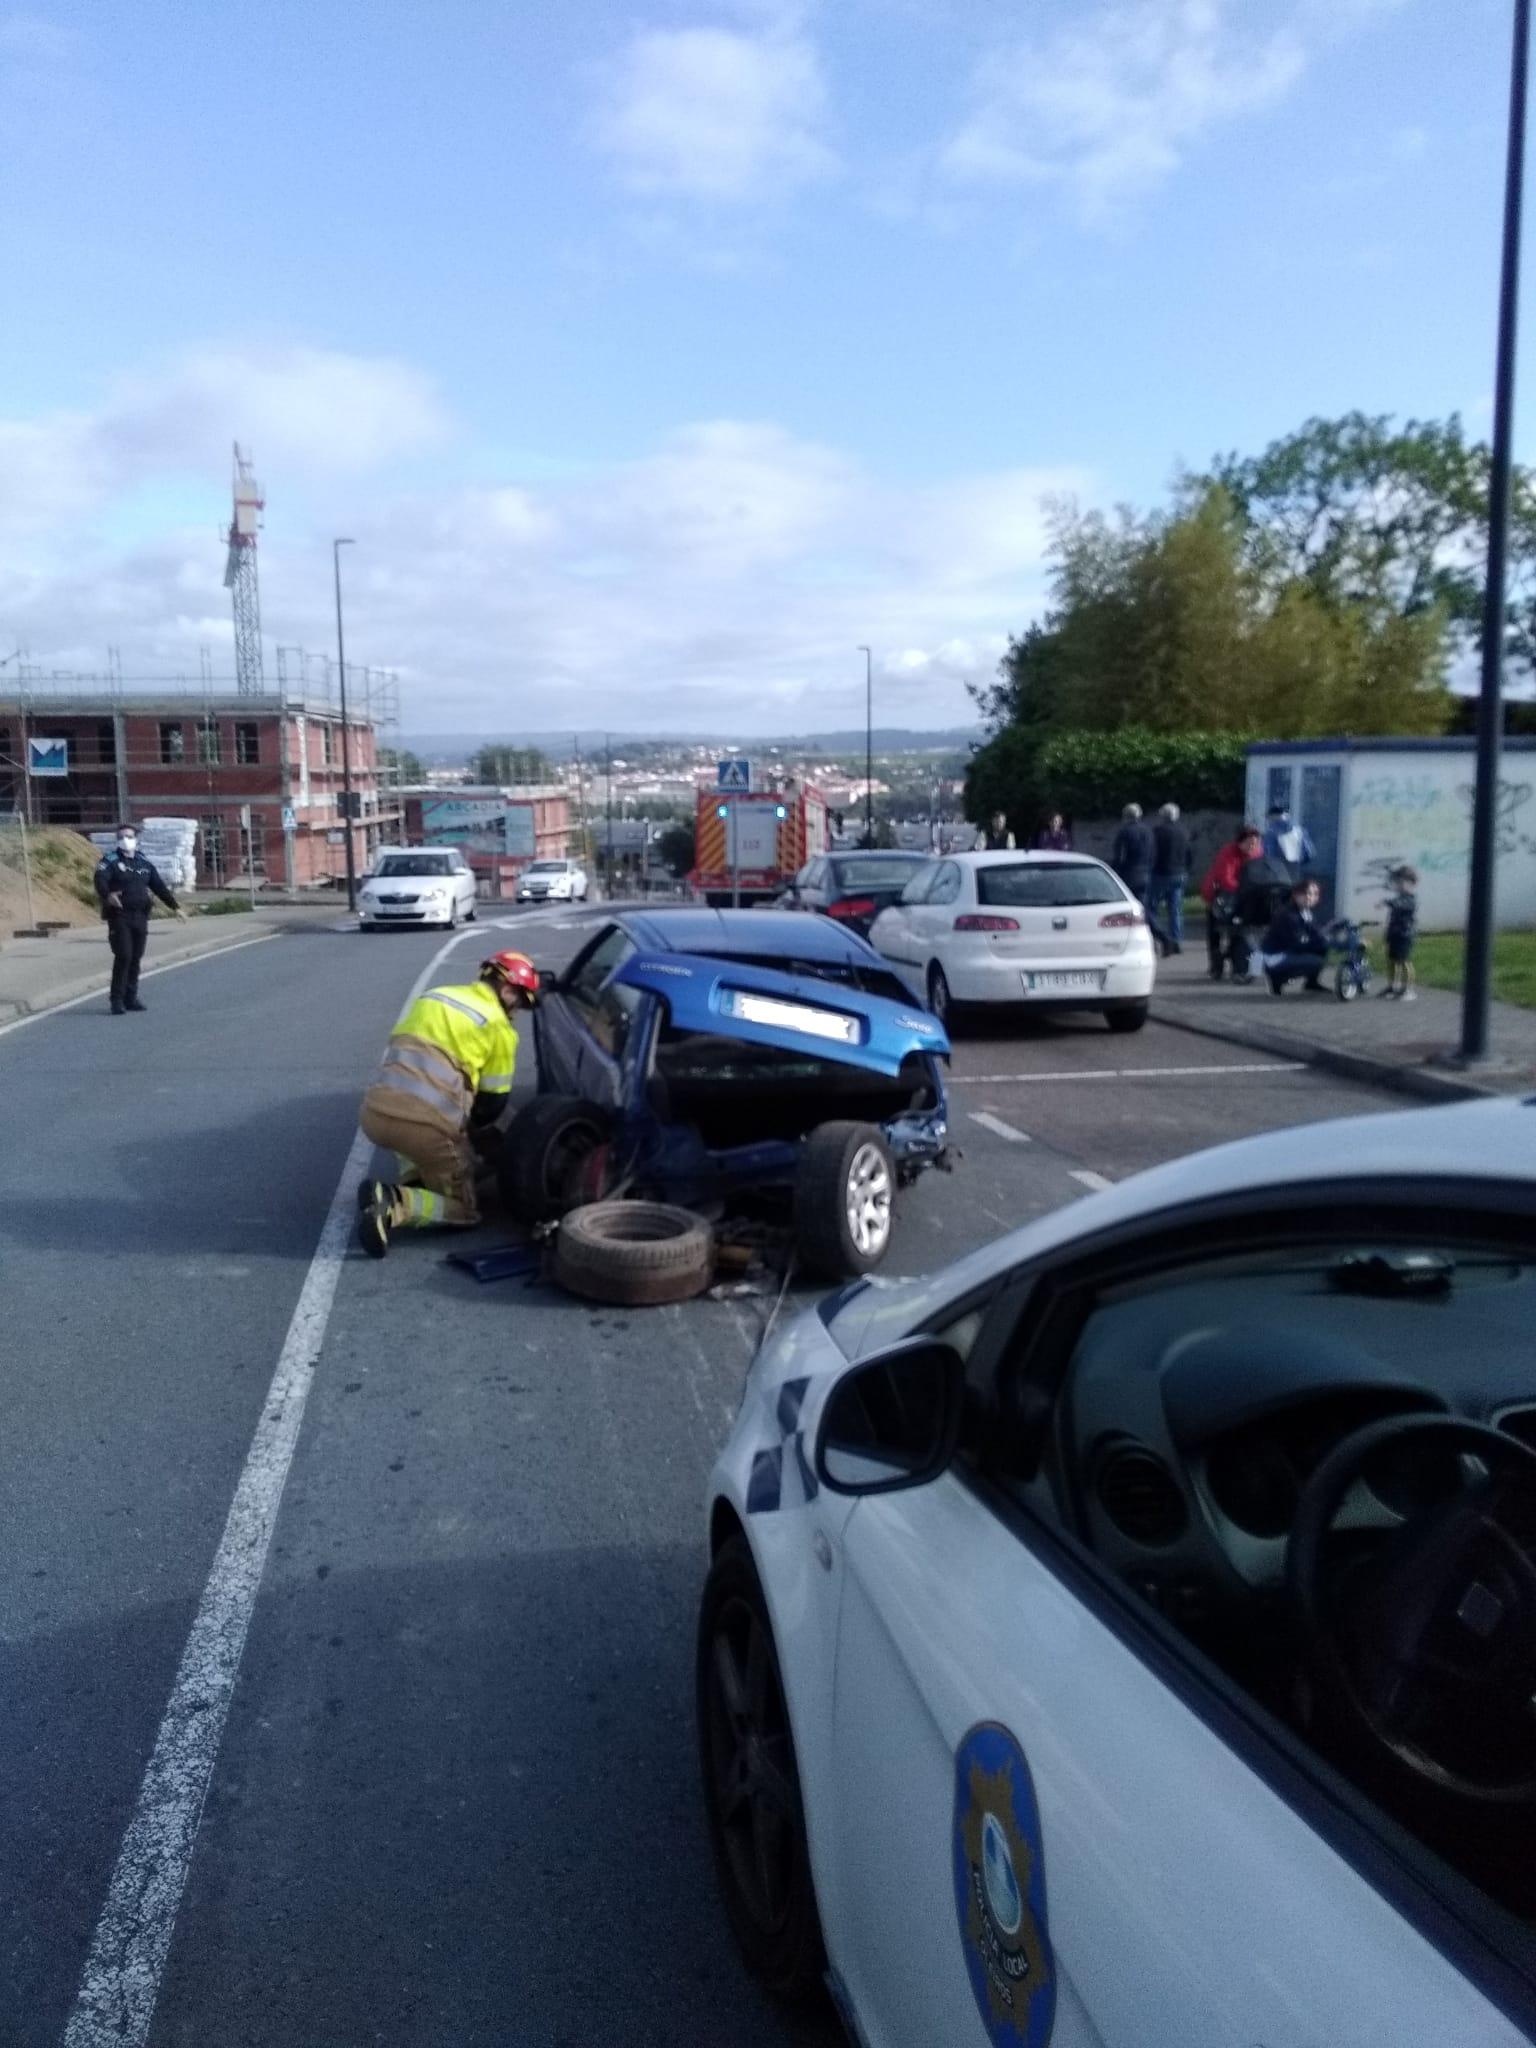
(716, 114)
(723, 581)
(1109, 107)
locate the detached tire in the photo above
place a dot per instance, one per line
(553, 1158)
(752, 1783)
(634, 1254)
(844, 1201)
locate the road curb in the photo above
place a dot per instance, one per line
(15, 1009)
(1418, 1082)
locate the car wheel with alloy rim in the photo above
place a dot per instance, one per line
(752, 1783)
(844, 1200)
(940, 1001)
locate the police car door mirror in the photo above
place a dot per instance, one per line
(892, 1421)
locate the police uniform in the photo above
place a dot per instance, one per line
(453, 1046)
(133, 880)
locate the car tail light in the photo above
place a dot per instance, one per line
(852, 906)
(972, 923)
(1119, 919)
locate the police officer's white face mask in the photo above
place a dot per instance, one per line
(127, 842)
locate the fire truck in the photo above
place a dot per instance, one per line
(750, 847)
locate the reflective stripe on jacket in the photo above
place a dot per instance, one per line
(451, 1045)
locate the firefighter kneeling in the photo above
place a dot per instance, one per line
(447, 1069)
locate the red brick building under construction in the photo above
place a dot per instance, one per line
(207, 758)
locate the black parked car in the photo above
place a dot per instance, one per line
(853, 887)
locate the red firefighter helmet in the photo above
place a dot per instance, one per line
(512, 970)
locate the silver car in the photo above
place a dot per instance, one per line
(552, 881)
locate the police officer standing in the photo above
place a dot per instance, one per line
(125, 881)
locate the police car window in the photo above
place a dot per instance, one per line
(1283, 1453)
(592, 969)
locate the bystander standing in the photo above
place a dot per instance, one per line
(1170, 875)
(1402, 926)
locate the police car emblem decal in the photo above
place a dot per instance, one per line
(1000, 1889)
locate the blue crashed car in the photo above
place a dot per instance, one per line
(728, 1058)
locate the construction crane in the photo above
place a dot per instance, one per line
(240, 577)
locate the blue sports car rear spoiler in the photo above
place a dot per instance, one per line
(791, 1012)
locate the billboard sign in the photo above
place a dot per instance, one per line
(47, 757)
(478, 824)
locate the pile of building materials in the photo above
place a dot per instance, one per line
(171, 843)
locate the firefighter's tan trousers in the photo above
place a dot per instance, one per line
(437, 1166)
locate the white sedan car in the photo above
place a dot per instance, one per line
(1127, 1637)
(416, 885)
(1053, 930)
(552, 881)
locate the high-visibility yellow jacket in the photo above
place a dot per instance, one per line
(451, 1045)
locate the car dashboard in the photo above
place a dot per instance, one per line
(1199, 1411)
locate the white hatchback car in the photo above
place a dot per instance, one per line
(1053, 930)
(417, 885)
(1127, 1637)
(552, 881)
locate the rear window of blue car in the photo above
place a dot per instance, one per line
(870, 979)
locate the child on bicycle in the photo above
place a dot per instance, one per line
(1402, 923)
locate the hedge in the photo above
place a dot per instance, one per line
(1092, 774)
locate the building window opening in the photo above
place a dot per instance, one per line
(173, 745)
(247, 743)
(208, 742)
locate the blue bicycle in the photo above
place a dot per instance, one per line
(1352, 976)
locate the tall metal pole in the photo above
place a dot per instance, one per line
(869, 747)
(346, 750)
(608, 808)
(1478, 976)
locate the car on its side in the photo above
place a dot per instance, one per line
(417, 885)
(1050, 930)
(728, 1057)
(853, 888)
(552, 881)
(1126, 1637)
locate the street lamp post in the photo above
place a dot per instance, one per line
(1478, 975)
(346, 749)
(869, 746)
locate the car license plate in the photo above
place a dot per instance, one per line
(1065, 981)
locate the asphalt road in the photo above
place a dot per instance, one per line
(454, 1801)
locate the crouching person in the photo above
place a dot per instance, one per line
(446, 1070)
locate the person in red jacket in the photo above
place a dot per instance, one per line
(1223, 879)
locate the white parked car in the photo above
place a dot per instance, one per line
(1047, 929)
(416, 885)
(1126, 1638)
(552, 881)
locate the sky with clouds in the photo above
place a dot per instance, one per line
(659, 354)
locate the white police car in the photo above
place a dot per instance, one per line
(1127, 1638)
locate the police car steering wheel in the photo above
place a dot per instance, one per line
(1429, 1636)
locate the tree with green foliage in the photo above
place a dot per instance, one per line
(1394, 518)
(499, 763)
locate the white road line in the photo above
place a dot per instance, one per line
(1130, 1073)
(147, 974)
(1097, 1181)
(989, 1122)
(121, 1980)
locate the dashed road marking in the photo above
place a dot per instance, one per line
(1097, 1181)
(989, 1122)
(1129, 1073)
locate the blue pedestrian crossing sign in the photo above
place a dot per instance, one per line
(734, 774)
